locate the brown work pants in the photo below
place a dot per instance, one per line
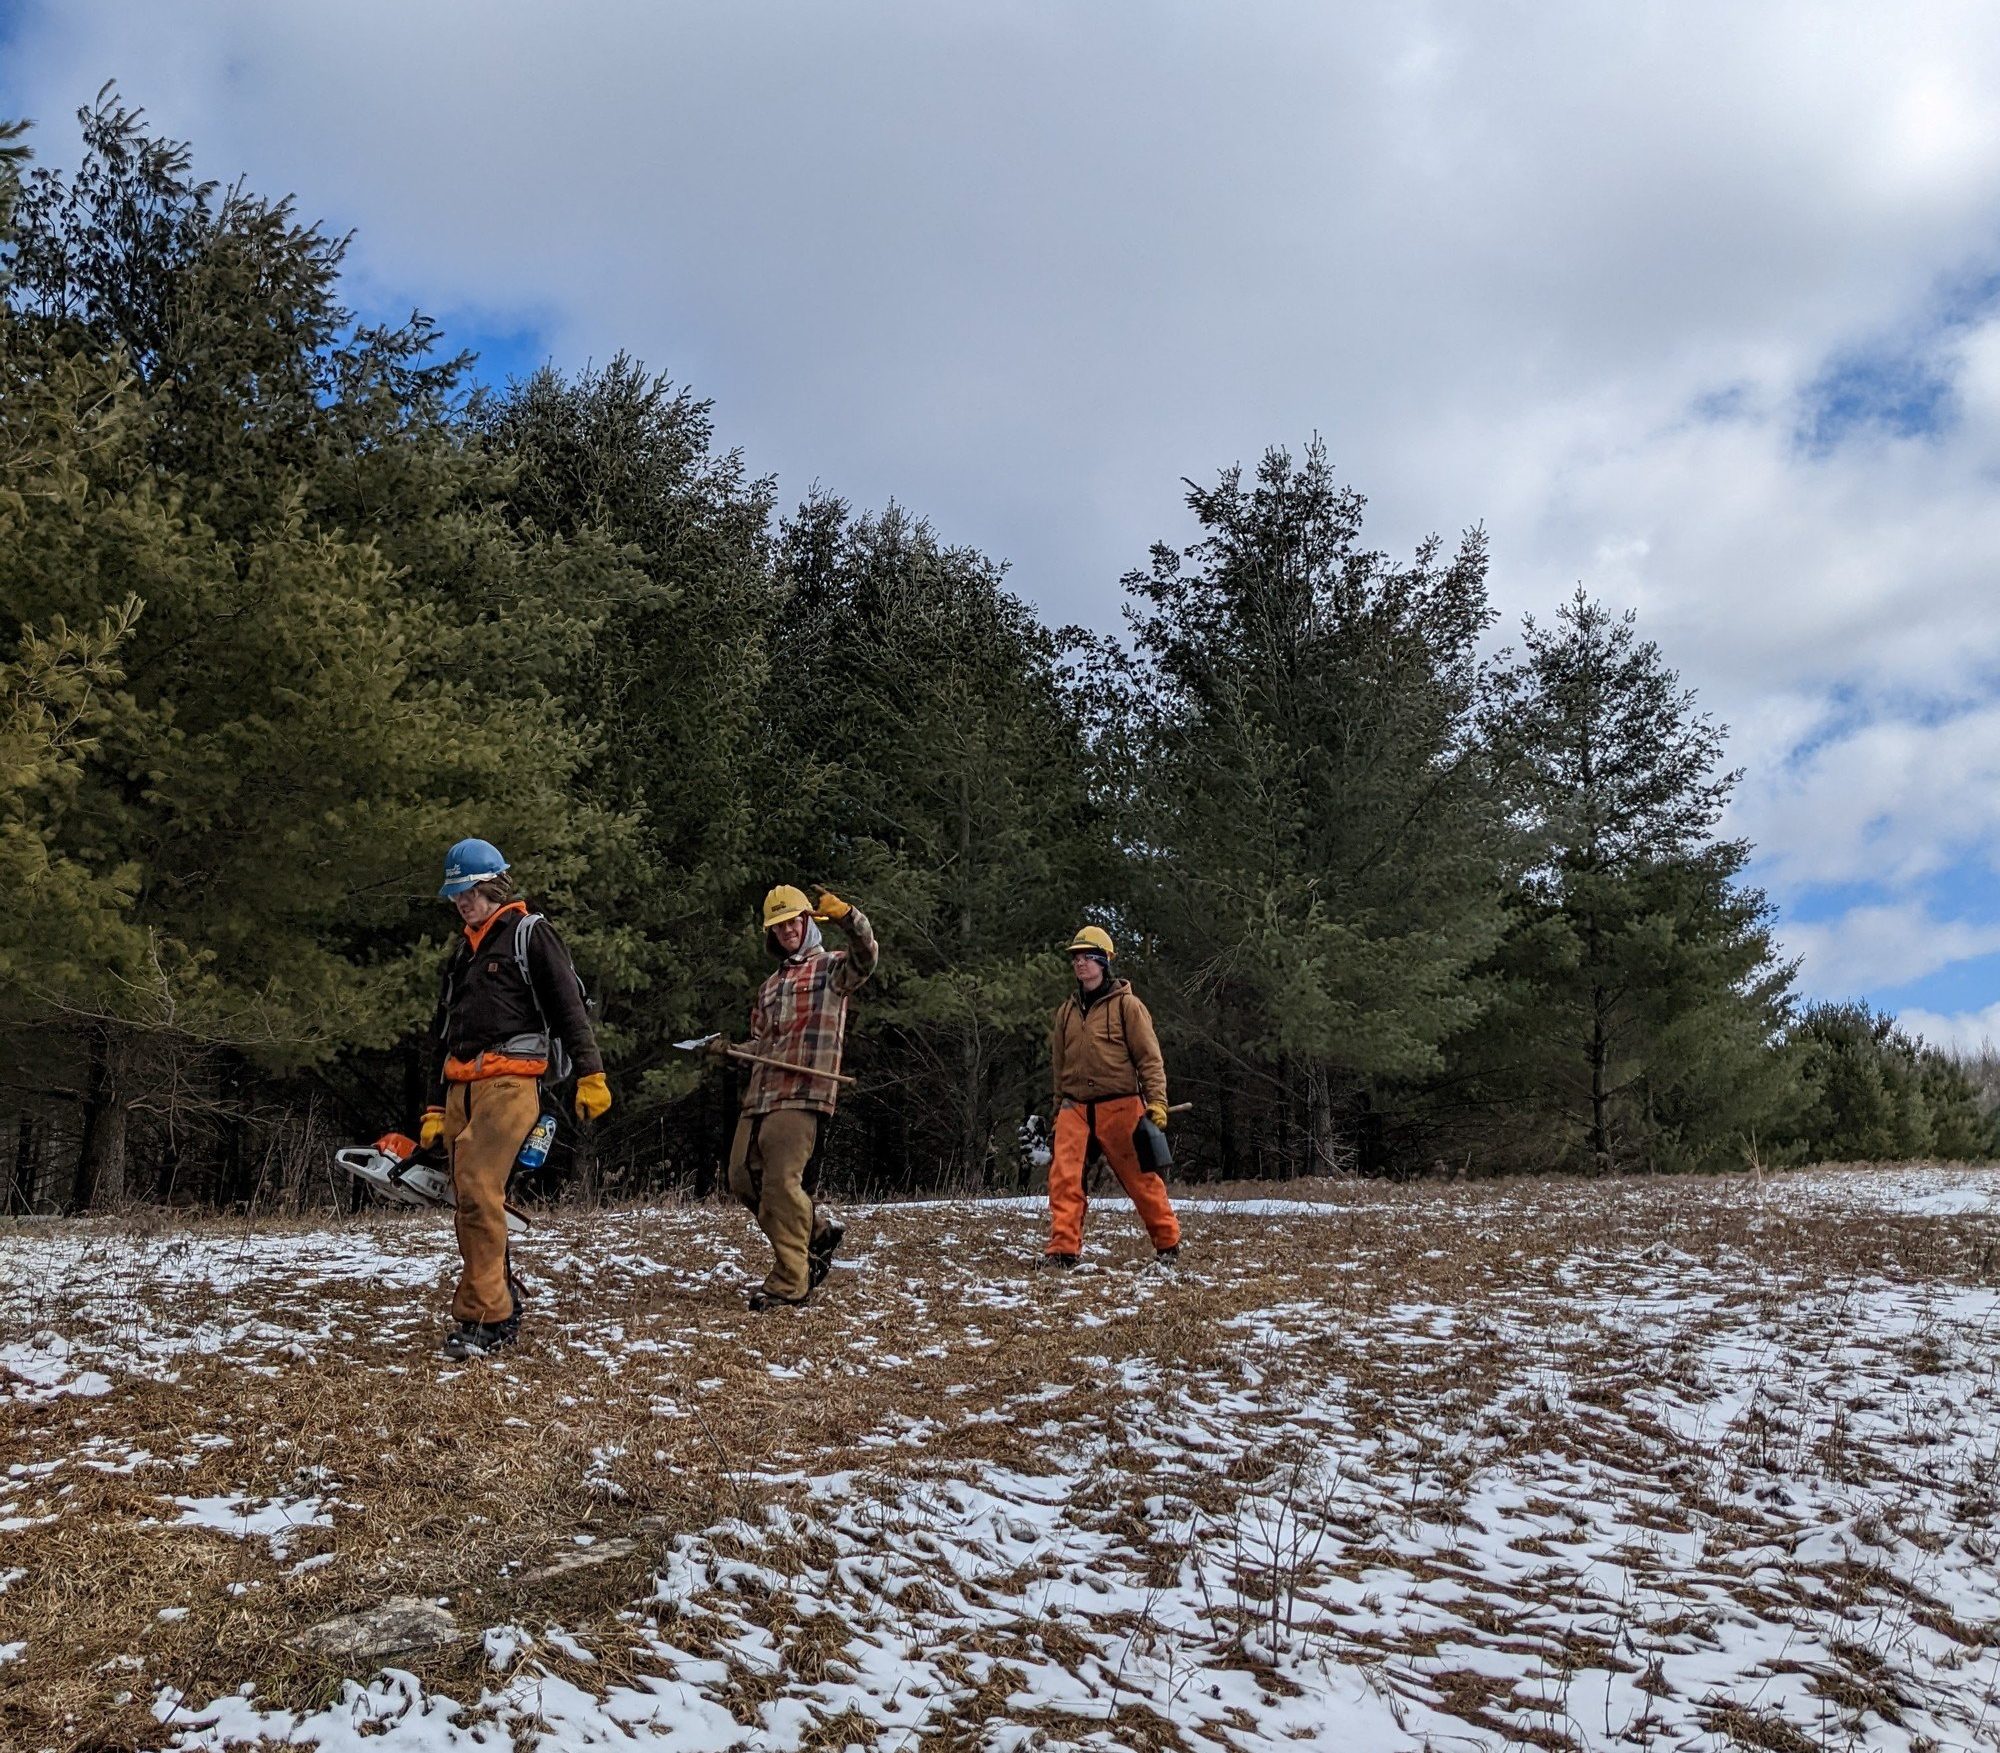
(1109, 1125)
(485, 1125)
(771, 1170)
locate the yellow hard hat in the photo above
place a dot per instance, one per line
(1092, 937)
(784, 902)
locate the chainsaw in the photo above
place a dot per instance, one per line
(396, 1169)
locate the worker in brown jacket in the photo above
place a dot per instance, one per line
(1109, 1076)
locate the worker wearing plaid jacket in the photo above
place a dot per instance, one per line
(799, 1018)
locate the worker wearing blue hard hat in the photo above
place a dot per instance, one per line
(510, 1020)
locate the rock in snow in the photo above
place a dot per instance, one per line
(403, 1625)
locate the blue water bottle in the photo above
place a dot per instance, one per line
(535, 1147)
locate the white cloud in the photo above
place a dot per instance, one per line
(1026, 266)
(1892, 800)
(1884, 945)
(1972, 1031)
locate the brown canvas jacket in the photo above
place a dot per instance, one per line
(1108, 1050)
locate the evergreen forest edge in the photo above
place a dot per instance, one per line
(289, 602)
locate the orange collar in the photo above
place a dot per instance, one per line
(476, 935)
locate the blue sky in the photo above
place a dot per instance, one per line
(1692, 303)
(507, 350)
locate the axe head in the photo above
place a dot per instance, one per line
(1149, 1143)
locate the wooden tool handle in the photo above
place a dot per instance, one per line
(749, 1058)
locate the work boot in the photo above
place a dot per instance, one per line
(1059, 1262)
(819, 1255)
(1169, 1257)
(472, 1339)
(762, 1299)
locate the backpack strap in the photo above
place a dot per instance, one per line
(558, 1049)
(524, 929)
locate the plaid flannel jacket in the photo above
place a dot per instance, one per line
(800, 1016)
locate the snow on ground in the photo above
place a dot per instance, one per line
(41, 1368)
(1912, 1192)
(276, 1520)
(1689, 1465)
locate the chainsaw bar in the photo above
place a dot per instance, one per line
(408, 1181)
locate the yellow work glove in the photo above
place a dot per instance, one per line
(719, 1047)
(593, 1096)
(1157, 1113)
(430, 1131)
(830, 906)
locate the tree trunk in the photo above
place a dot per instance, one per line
(1227, 1142)
(901, 1166)
(972, 1143)
(242, 1168)
(971, 1137)
(1288, 1124)
(27, 1167)
(585, 1165)
(100, 1170)
(1225, 1104)
(714, 1137)
(1323, 1141)
(1600, 1100)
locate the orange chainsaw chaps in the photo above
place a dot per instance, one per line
(1113, 1121)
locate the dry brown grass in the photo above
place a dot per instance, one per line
(468, 1484)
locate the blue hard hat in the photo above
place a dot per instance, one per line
(468, 864)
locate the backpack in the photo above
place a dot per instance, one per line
(548, 1044)
(560, 1063)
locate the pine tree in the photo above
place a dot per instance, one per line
(1316, 843)
(1643, 993)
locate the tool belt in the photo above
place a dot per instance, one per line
(517, 1056)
